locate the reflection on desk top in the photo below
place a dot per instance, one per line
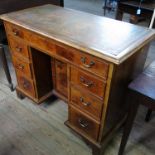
(106, 38)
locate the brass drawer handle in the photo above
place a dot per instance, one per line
(59, 64)
(15, 32)
(26, 85)
(85, 82)
(83, 60)
(83, 123)
(20, 67)
(84, 103)
(18, 49)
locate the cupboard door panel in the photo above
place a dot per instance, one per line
(61, 77)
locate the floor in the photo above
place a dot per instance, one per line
(29, 129)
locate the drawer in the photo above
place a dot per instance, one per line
(93, 64)
(85, 61)
(25, 84)
(88, 82)
(18, 47)
(86, 103)
(14, 30)
(23, 67)
(66, 53)
(83, 123)
(39, 42)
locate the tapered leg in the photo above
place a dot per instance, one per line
(5, 66)
(129, 122)
(148, 115)
(104, 7)
(119, 15)
(97, 151)
(62, 3)
(20, 95)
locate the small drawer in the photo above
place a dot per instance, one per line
(39, 42)
(83, 123)
(85, 61)
(87, 103)
(18, 47)
(66, 53)
(14, 30)
(25, 84)
(88, 82)
(93, 64)
(23, 67)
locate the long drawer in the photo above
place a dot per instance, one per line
(85, 61)
(83, 123)
(87, 103)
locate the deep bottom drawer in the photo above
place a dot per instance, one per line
(83, 123)
(26, 84)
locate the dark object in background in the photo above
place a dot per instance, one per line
(145, 1)
(131, 7)
(14, 5)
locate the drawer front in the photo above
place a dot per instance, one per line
(86, 103)
(22, 66)
(26, 84)
(40, 42)
(83, 123)
(18, 47)
(61, 77)
(88, 82)
(14, 30)
(85, 61)
(93, 64)
(66, 53)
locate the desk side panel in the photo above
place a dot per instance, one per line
(122, 76)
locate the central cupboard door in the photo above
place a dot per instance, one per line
(59, 70)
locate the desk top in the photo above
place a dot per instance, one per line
(106, 38)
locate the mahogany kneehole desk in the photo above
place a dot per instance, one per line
(85, 60)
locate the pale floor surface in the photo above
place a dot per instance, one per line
(29, 129)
